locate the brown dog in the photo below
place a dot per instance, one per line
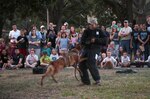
(71, 58)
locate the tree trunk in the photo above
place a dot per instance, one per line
(56, 14)
(1, 25)
(130, 11)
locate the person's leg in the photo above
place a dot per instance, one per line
(91, 64)
(127, 46)
(146, 52)
(83, 67)
(84, 73)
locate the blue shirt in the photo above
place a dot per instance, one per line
(64, 43)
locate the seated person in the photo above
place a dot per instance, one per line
(100, 58)
(5, 59)
(109, 62)
(111, 48)
(54, 55)
(139, 59)
(47, 49)
(45, 60)
(148, 61)
(17, 60)
(125, 60)
(32, 59)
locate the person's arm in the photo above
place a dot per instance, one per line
(102, 63)
(120, 33)
(129, 32)
(146, 40)
(111, 36)
(114, 61)
(84, 38)
(20, 60)
(10, 35)
(140, 39)
(39, 35)
(128, 60)
(41, 59)
(27, 63)
(121, 59)
(131, 41)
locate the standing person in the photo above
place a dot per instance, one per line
(13, 35)
(107, 34)
(91, 40)
(38, 34)
(143, 38)
(57, 41)
(22, 42)
(51, 34)
(34, 42)
(64, 43)
(114, 37)
(43, 34)
(125, 34)
(134, 38)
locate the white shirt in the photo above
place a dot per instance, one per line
(32, 59)
(126, 30)
(112, 59)
(14, 34)
(125, 60)
(148, 60)
(54, 57)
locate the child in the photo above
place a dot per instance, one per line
(139, 59)
(47, 49)
(100, 59)
(45, 60)
(109, 62)
(125, 60)
(74, 40)
(32, 59)
(64, 43)
(54, 55)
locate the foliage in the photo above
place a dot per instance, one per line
(27, 12)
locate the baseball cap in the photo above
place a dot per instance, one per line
(125, 21)
(42, 26)
(93, 22)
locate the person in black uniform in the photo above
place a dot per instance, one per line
(91, 41)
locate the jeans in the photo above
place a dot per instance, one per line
(126, 45)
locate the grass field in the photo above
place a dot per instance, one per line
(22, 84)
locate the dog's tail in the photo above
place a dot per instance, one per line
(50, 70)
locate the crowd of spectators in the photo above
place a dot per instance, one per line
(126, 45)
